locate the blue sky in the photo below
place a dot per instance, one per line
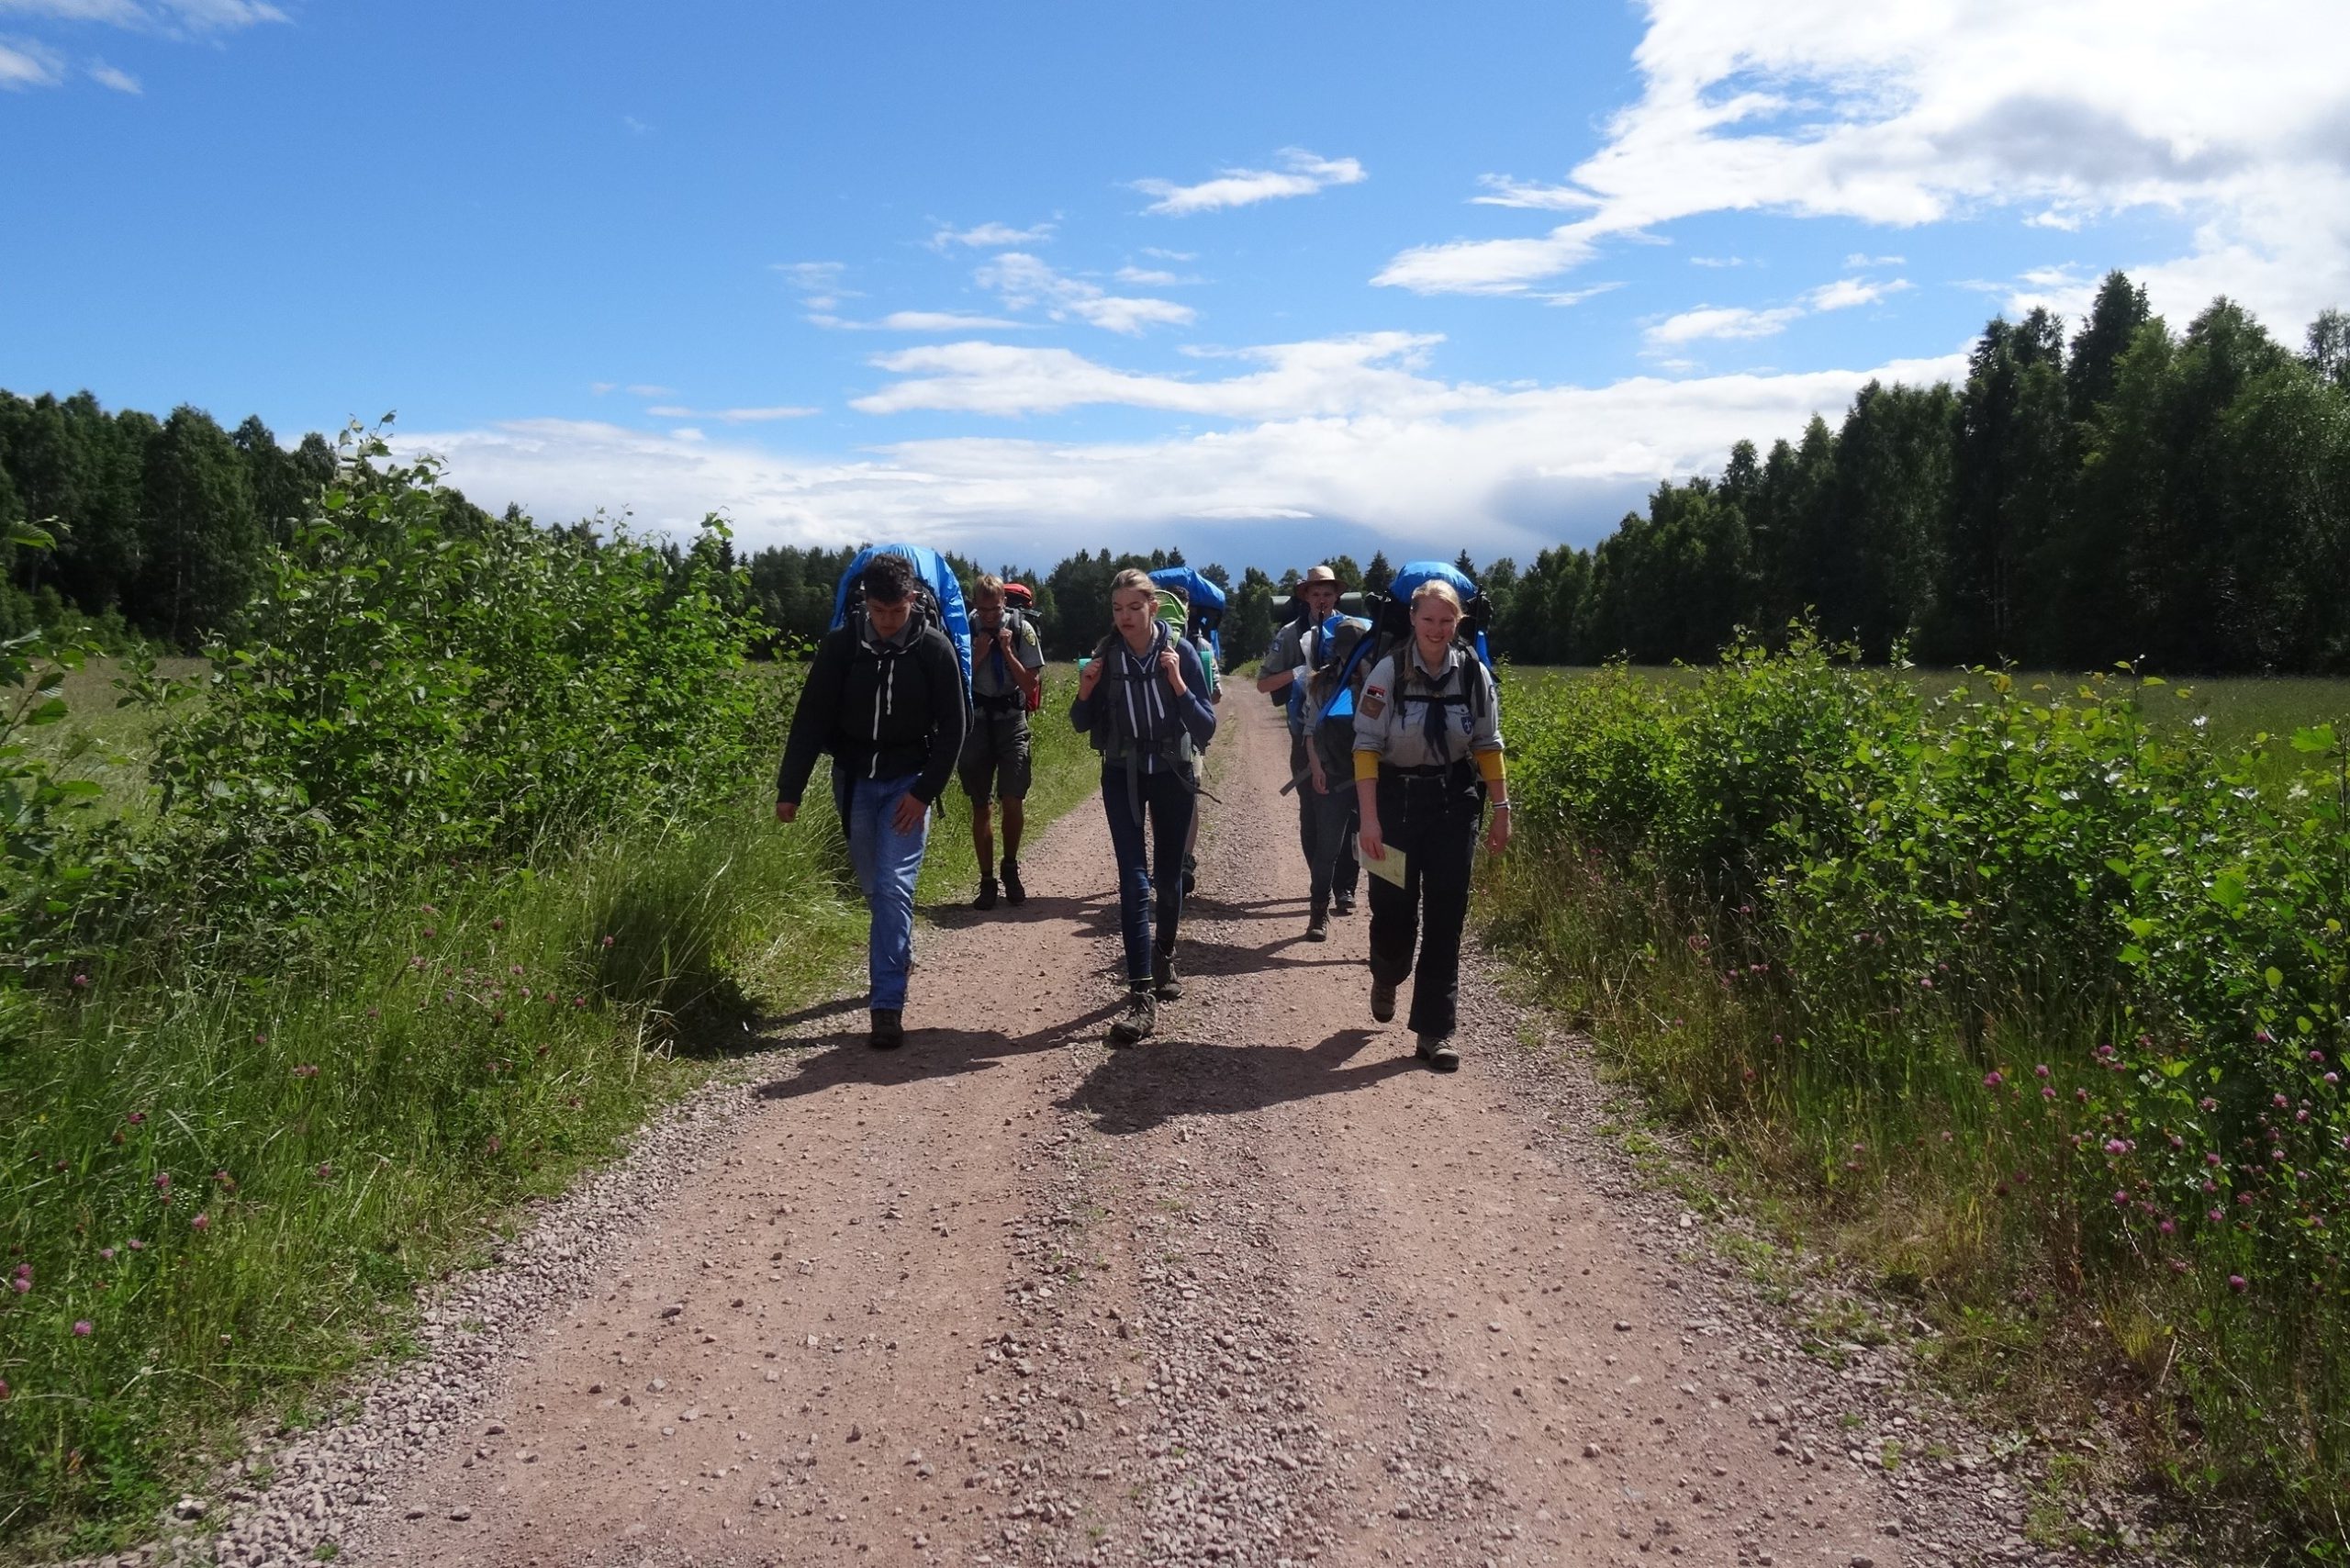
(1261, 281)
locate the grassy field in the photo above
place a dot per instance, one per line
(222, 1189)
(2015, 1008)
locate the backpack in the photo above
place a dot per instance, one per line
(1204, 627)
(1390, 613)
(1020, 610)
(1336, 684)
(938, 600)
(1109, 735)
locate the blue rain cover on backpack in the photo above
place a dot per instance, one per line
(1409, 578)
(932, 570)
(1207, 602)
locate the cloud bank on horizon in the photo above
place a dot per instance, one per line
(1344, 312)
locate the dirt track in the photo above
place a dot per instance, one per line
(1260, 1290)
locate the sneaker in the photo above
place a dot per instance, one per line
(1165, 980)
(987, 894)
(1013, 893)
(1382, 1000)
(1342, 903)
(1140, 1018)
(1437, 1052)
(889, 1029)
(1317, 926)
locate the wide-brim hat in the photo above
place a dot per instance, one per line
(1318, 574)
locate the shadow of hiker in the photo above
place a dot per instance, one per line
(1203, 906)
(1139, 1087)
(1203, 958)
(839, 1004)
(1095, 910)
(927, 1053)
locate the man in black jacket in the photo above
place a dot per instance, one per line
(885, 698)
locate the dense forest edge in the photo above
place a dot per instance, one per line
(2180, 501)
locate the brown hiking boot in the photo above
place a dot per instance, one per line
(1140, 1018)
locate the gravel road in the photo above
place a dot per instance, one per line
(1259, 1291)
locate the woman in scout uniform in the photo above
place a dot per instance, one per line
(1142, 697)
(1428, 752)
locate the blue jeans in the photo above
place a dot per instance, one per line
(1167, 801)
(885, 862)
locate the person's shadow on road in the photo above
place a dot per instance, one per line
(927, 1053)
(1138, 1088)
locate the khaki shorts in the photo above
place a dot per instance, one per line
(994, 763)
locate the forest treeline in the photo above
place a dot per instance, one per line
(2180, 499)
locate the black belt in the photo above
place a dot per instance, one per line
(1433, 770)
(1007, 704)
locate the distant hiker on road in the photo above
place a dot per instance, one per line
(1325, 828)
(1142, 697)
(885, 698)
(1007, 664)
(1427, 751)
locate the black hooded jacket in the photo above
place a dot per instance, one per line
(881, 710)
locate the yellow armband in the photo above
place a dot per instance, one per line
(1489, 763)
(1366, 766)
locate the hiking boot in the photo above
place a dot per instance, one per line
(1013, 893)
(1382, 1000)
(987, 894)
(1140, 1018)
(1437, 1052)
(1190, 874)
(889, 1029)
(1317, 926)
(1164, 980)
(1342, 903)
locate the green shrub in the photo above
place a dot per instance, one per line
(2045, 984)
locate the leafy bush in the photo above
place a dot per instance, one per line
(2075, 976)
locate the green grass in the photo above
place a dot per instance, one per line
(1857, 1124)
(369, 1117)
(107, 743)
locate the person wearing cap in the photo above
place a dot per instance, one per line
(1287, 663)
(1007, 662)
(884, 697)
(1428, 754)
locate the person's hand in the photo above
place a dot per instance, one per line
(1003, 638)
(1368, 846)
(1321, 777)
(1172, 668)
(1091, 678)
(909, 813)
(1497, 830)
(786, 810)
(1218, 698)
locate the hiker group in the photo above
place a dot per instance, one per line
(1396, 758)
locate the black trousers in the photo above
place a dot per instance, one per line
(1433, 819)
(1327, 874)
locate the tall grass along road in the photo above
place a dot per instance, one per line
(2030, 996)
(1258, 1290)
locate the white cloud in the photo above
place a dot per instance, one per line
(1024, 281)
(1944, 109)
(1723, 261)
(991, 235)
(731, 416)
(1577, 295)
(1300, 174)
(635, 125)
(1735, 322)
(24, 63)
(161, 16)
(1859, 260)
(647, 390)
(1730, 321)
(1503, 191)
(922, 321)
(819, 283)
(1154, 277)
(1845, 293)
(1328, 375)
(1353, 442)
(105, 75)
(600, 388)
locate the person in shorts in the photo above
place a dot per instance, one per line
(1007, 663)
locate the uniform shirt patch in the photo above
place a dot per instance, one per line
(1374, 703)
